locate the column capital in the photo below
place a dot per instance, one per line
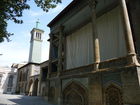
(92, 3)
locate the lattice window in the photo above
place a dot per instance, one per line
(113, 96)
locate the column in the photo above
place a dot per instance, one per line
(60, 45)
(59, 89)
(92, 5)
(128, 32)
(50, 58)
(40, 81)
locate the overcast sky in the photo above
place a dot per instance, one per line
(17, 50)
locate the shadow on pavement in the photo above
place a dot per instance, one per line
(26, 100)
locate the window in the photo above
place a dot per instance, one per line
(10, 81)
(20, 76)
(38, 35)
(44, 73)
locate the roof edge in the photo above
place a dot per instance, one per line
(65, 10)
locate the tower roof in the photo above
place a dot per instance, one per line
(36, 29)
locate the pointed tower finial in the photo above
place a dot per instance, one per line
(37, 23)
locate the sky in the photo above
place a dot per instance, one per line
(17, 50)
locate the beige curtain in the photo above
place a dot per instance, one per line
(111, 35)
(79, 47)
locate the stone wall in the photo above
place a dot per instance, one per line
(120, 83)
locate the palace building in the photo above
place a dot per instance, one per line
(94, 54)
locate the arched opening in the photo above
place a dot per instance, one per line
(20, 76)
(35, 88)
(10, 83)
(75, 94)
(30, 88)
(113, 95)
(44, 91)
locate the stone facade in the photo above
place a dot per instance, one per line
(112, 76)
(28, 78)
(43, 79)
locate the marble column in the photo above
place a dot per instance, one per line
(128, 33)
(60, 45)
(92, 5)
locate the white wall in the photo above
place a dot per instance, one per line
(35, 70)
(4, 71)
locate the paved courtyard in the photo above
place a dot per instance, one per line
(6, 99)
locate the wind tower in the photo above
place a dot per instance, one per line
(35, 44)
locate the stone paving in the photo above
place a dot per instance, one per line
(6, 99)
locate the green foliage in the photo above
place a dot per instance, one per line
(12, 9)
(47, 4)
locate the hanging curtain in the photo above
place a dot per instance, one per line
(111, 35)
(79, 47)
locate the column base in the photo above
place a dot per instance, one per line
(96, 66)
(132, 59)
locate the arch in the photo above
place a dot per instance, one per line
(75, 94)
(10, 83)
(23, 76)
(44, 91)
(35, 87)
(30, 87)
(113, 95)
(20, 76)
(51, 94)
